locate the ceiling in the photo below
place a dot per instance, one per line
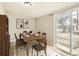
(37, 9)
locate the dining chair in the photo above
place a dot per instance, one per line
(24, 31)
(41, 45)
(19, 43)
(39, 33)
(30, 32)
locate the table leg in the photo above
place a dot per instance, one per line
(27, 49)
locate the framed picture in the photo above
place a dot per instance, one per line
(19, 23)
(22, 23)
(26, 23)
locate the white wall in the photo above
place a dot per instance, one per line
(2, 11)
(12, 25)
(46, 24)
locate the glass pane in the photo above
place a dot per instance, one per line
(75, 36)
(63, 32)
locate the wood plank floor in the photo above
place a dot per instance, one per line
(22, 51)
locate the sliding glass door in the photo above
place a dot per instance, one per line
(67, 32)
(63, 32)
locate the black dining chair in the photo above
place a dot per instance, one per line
(41, 45)
(19, 43)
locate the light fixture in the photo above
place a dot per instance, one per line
(27, 4)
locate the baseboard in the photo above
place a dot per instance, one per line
(50, 44)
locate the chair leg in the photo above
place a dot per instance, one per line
(45, 52)
(16, 48)
(32, 51)
(27, 51)
(16, 52)
(37, 53)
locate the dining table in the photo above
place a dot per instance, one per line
(31, 38)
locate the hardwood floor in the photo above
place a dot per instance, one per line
(22, 51)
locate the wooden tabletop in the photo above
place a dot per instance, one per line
(32, 37)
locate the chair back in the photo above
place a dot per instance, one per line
(44, 34)
(19, 35)
(30, 31)
(45, 40)
(15, 36)
(24, 31)
(43, 43)
(39, 33)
